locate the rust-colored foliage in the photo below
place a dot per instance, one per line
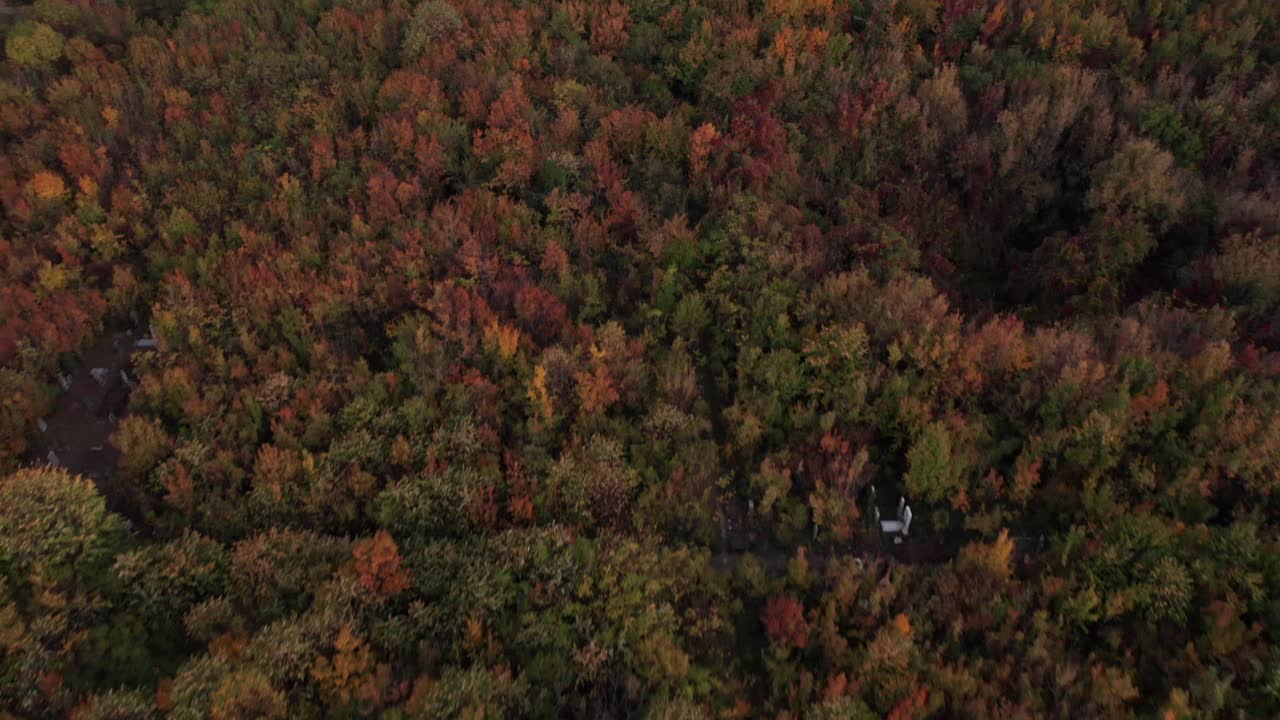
(596, 390)
(482, 511)
(350, 674)
(610, 23)
(378, 566)
(701, 143)
(912, 706)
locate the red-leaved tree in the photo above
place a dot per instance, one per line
(784, 622)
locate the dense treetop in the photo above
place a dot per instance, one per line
(546, 359)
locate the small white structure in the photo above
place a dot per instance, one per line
(124, 378)
(146, 344)
(52, 457)
(899, 527)
(64, 381)
(99, 375)
(41, 425)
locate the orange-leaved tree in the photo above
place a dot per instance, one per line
(378, 566)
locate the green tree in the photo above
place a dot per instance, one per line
(33, 45)
(432, 20)
(116, 705)
(931, 471)
(592, 485)
(142, 443)
(57, 525)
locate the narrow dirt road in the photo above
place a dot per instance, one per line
(78, 431)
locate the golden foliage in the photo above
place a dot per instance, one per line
(902, 624)
(989, 561)
(48, 186)
(538, 393)
(111, 116)
(350, 674)
(503, 338)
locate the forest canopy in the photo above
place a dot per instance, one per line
(542, 358)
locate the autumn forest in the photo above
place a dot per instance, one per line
(654, 359)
